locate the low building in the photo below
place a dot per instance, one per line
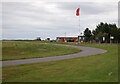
(69, 39)
(66, 39)
(38, 39)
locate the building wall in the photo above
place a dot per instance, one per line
(67, 39)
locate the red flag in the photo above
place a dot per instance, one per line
(77, 12)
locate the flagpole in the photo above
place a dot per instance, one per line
(79, 27)
(65, 36)
(79, 23)
(77, 13)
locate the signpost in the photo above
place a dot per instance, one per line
(97, 38)
(83, 40)
(111, 38)
(103, 38)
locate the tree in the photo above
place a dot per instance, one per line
(118, 35)
(87, 34)
(103, 30)
(106, 30)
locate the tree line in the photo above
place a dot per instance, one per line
(103, 30)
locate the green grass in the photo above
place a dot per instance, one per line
(17, 50)
(82, 69)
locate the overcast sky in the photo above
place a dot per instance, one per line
(29, 20)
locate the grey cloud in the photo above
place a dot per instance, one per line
(20, 19)
(87, 7)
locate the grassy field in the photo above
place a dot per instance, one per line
(17, 50)
(96, 68)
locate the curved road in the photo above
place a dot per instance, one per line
(86, 51)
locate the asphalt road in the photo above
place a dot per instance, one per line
(86, 51)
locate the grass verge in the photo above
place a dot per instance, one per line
(17, 50)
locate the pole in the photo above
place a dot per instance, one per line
(65, 36)
(110, 38)
(79, 25)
